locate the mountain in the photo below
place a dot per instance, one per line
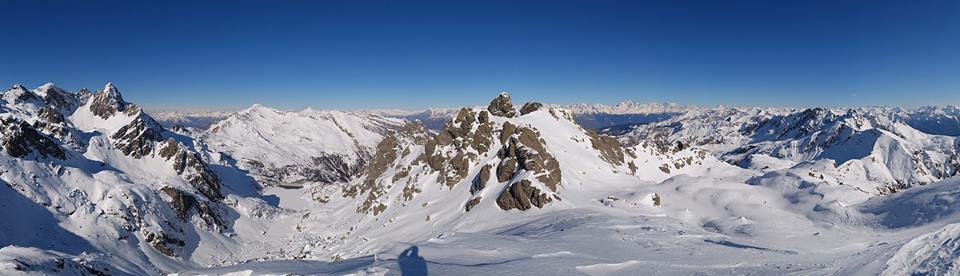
(873, 149)
(290, 148)
(432, 119)
(96, 186)
(191, 119)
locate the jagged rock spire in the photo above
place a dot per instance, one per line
(502, 106)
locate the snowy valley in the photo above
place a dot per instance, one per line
(94, 185)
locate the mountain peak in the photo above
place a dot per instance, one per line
(18, 87)
(107, 101)
(109, 88)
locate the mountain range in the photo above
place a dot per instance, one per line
(94, 185)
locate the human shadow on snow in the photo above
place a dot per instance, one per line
(411, 263)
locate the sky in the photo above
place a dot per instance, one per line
(414, 54)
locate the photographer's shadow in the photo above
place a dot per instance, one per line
(411, 264)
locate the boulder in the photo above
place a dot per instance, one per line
(522, 196)
(530, 107)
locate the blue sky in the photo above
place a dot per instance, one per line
(411, 54)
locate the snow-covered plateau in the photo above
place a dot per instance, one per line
(93, 185)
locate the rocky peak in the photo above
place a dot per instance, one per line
(17, 87)
(502, 106)
(19, 93)
(105, 103)
(55, 96)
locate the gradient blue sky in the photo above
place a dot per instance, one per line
(411, 54)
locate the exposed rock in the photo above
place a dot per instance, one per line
(530, 107)
(182, 202)
(506, 169)
(383, 159)
(56, 97)
(529, 153)
(480, 181)
(137, 138)
(20, 139)
(609, 148)
(483, 137)
(458, 136)
(189, 165)
(506, 132)
(107, 102)
(179, 201)
(502, 106)
(162, 242)
(522, 196)
(484, 117)
(472, 202)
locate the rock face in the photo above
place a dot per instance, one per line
(182, 203)
(609, 148)
(481, 181)
(530, 107)
(107, 102)
(522, 196)
(189, 165)
(137, 138)
(20, 139)
(463, 141)
(502, 106)
(388, 150)
(525, 150)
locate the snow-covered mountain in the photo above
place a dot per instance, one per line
(189, 119)
(96, 186)
(874, 149)
(290, 148)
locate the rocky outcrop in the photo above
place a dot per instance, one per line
(137, 138)
(182, 203)
(502, 106)
(470, 203)
(20, 139)
(609, 148)
(450, 151)
(506, 169)
(56, 97)
(530, 107)
(388, 150)
(480, 181)
(189, 165)
(525, 150)
(522, 196)
(107, 102)
(163, 243)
